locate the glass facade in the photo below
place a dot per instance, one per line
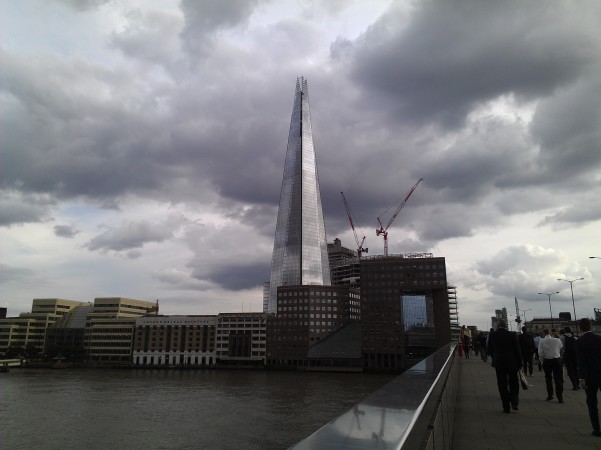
(300, 254)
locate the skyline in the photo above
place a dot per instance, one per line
(143, 143)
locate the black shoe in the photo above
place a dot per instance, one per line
(560, 400)
(550, 397)
(506, 410)
(596, 433)
(515, 408)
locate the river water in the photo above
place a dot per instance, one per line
(171, 409)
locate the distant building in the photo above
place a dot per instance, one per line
(300, 254)
(66, 336)
(29, 329)
(241, 339)
(404, 309)
(453, 313)
(109, 333)
(174, 341)
(344, 265)
(305, 315)
(3, 312)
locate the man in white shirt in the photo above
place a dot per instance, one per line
(549, 352)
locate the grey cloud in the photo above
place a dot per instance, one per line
(151, 37)
(133, 235)
(15, 274)
(204, 19)
(525, 270)
(236, 275)
(83, 5)
(452, 55)
(18, 208)
(66, 231)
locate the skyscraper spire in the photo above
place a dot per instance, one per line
(300, 253)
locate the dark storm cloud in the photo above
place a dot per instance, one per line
(133, 235)
(66, 231)
(237, 275)
(18, 208)
(452, 55)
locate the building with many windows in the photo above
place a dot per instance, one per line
(300, 253)
(28, 330)
(109, 329)
(305, 315)
(404, 309)
(241, 339)
(176, 341)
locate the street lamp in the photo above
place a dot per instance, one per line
(549, 294)
(573, 304)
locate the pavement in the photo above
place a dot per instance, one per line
(539, 424)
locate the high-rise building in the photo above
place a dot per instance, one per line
(404, 309)
(300, 253)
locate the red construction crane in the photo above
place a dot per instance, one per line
(360, 249)
(383, 230)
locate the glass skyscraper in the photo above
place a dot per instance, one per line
(300, 253)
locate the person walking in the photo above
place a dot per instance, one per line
(549, 352)
(482, 342)
(588, 355)
(466, 346)
(569, 357)
(527, 349)
(505, 351)
(537, 340)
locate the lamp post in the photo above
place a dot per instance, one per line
(549, 294)
(573, 304)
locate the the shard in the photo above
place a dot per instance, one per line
(300, 253)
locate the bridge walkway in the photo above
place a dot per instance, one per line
(538, 424)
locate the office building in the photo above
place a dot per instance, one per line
(300, 254)
(305, 315)
(344, 265)
(109, 332)
(28, 330)
(174, 341)
(241, 339)
(404, 309)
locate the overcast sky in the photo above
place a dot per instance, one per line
(143, 143)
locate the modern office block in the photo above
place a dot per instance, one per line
(300, 254)
(306, 315)
(404, 309)
(175, 341)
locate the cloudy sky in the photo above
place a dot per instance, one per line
(142, 144)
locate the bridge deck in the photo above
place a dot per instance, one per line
(539, 424)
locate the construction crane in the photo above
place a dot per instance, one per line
(360, 249)
(383, 230)
(518, 319)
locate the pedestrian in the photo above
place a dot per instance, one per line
(488, 338)
(527, 349)
(482, 342)
(537, 340)
(466, 346)
(505, 350)
(569, 357)
(588, 353)
(549, 352)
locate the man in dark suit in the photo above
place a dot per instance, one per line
(588, 354)
(507, 358)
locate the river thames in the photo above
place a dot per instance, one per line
(171, 409)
